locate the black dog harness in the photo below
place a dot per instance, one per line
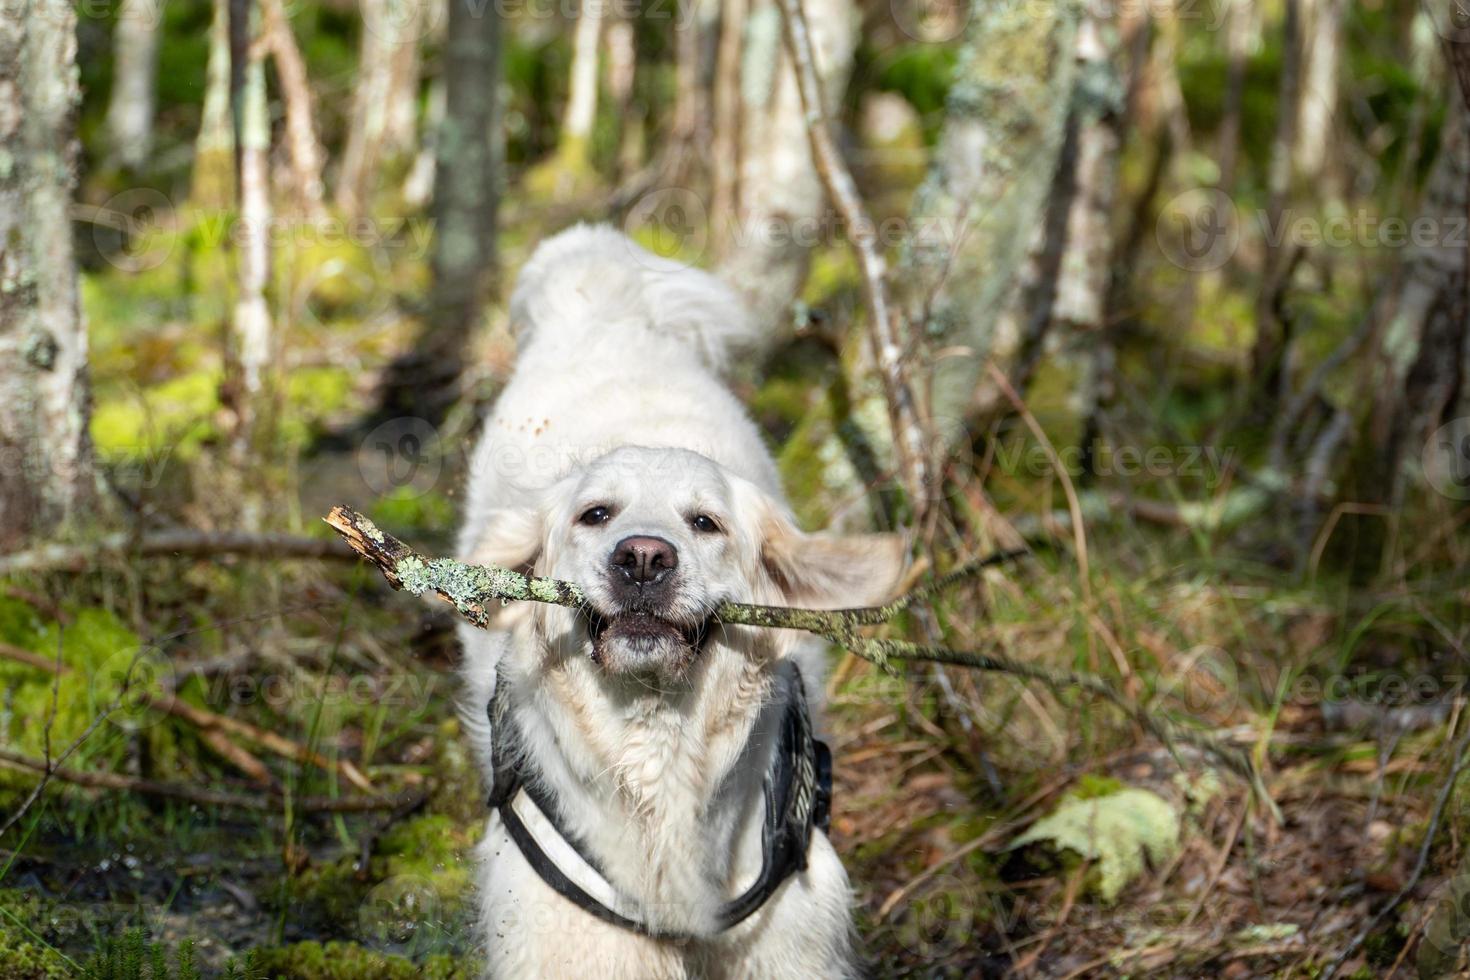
(798, 796)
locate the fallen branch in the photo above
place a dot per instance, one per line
(268, 802)
(474, 590)
(181, 542)
(214, 727)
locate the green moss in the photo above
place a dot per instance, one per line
(177, 416)
(407, 509)
(346, 961)
(25, 954)
(433, 847)
(98, 651)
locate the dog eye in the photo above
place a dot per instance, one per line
(704, 524)
(594, 516)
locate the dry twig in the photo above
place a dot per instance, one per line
(189, 793)
(888, 331)
(182, 542)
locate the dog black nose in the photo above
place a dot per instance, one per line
(644, 560)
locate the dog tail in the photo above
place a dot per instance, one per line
(592, 278)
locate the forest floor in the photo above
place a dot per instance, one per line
(989, 825)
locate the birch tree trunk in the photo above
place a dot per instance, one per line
(622, 68)
(385, 101)
(131, 104)
(987, 188)
(466, 192)
(252, 331)
(573, 158)
(780, 204)
(213, 178)
(1323, 55)
(45, 453)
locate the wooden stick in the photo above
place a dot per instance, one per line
(474, 589)
(181, 542)
(270, 801)
(213, 726)
(888, 331)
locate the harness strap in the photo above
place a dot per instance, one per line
(797, 788)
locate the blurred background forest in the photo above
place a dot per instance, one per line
(1174, 291)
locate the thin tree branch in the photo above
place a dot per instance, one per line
(887, 331)
(475, 589)
(181, 542)
(268, 802)
(214, 727)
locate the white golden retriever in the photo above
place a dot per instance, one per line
(644, 731)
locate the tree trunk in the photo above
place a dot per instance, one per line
(581, 110)
(1319, 89)
(385, 100)
(780, 203)
(1239, 29)
(466, 190)
(134, 92)
(622, 67)
(301, 140)
(213, 183)
(987, 187)
(1417, 373)
(45, 453)
(725, 146)
(1063, 287)
(1268, 354)
(252, 331)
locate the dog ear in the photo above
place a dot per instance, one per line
(829, 571)
(510, 537)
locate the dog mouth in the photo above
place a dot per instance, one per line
(643, 630)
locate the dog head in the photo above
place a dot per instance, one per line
(658, 539)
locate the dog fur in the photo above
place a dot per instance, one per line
(653, 746)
